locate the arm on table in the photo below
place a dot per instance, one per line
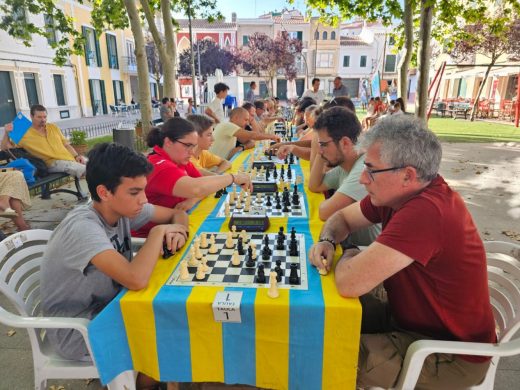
(209, 112)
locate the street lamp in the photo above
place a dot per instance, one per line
(316, 37)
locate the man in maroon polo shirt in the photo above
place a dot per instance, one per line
(429, 257)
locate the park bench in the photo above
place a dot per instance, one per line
(44, 186)
(458, 110)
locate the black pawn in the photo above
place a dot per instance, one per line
(268, 203)
(250, 262)
(260, 276)
(293, 248)
(218, 194)
(267, 174)
(291, 158)
(295, 199)
(166, 252)
(275, 173)
(281, 233)
(240, 246)
(293, 234)
(286, 208)
(293, 276)
(285, 160)
(278, 206)
(266, 251)
(278, 271)
(289, 173)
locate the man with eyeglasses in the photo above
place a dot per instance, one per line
(226, 135)
(429, 256)
(337, 130)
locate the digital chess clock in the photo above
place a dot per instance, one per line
(265, 164)
(250, 222)
(264, 186)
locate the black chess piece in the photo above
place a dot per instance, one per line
(286, 208)
(281, 233)
(166, 252)
(282, 172)
(275, 173)
(270, 156)
(278, 271)
(280, 244)
(266, 251)
(260, 275)
(267, 174)
(218, 194)
(268, 202)
(293, 248)
(293, 233)
(293, 276)
(278, 206)
(291, 158)
(289, 172)
(285, 160)
(240, 246)
(295, 199)
(224, 191)
(250, 262)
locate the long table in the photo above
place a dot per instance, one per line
(303, 339)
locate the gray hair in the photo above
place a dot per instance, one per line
(406, 141)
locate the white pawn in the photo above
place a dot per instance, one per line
(232, 198)
(253, 245)
(234, 231)
(213, 249)
(204, 262)
(193, 260)
(243, 234)
(239, 204)
(258, 197)
(273, 286)
(184, 274)
(323, 271)
(227, 211)
(200, 272)
(203, 241)
(212, 239)
(229, 241)
(235, 260)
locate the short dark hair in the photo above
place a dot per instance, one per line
(259, 104)
(304, 103)
(219, 87)
(200, 122)
(108, 163)
(172, 100)
(337, 78)
(252, 83)
(401, 102)
(314, 80)
(339, 122)
(340, 101)
(174, 129)
(247, 105)
(165, 100)
(37, 107)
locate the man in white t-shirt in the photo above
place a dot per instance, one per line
(227, 133)
(215, 109)
(315, 92)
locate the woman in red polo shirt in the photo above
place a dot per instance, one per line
(174, 181)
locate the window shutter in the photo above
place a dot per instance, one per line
(92, 103)
(98, 51)
(114, 87)
(299, 35)
(87, 44)
(122, 89)
(103, 96)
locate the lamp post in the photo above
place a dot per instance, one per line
(316, 37)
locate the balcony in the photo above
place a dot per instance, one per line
(129, 65)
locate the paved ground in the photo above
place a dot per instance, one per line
(485, 174)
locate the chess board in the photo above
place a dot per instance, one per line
(273, 159)
(222, 273)
(260, 207)
(261, 176)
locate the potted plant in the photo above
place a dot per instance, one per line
(78, 140)
(139, 128)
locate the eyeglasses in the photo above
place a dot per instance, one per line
(372, 172)
(188, 146)
(323, 144)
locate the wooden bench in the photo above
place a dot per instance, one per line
(44, 184)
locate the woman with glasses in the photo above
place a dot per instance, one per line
(174, 181)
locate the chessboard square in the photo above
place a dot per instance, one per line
(224, 257)
(216, 277)
(281, 258)
(230, 278)
(226, 251)
(222, 263)
(210, 263)
(280, 253)
(293, 259)
(249, 279)
(257, 237)
(234, 270)
(192, 270)
(219, 270)
(212, 257)
(248, 271)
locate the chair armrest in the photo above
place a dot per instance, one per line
(419, 350)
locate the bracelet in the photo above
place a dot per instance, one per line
(328, 240)
(232, 179)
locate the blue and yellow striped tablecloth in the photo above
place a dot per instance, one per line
(302, 340)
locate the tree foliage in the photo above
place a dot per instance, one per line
(211, 57)
(265, 56)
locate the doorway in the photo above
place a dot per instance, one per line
(7, 107)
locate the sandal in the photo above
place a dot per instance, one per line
(8, 213)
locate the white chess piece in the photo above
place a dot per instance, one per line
(204, 262)
(273, 286)
(213, 249)
(238, 204)
(253, 246)
(258, 197)
(229, 241)
(183, 273)
(200, 272)
(227, 211)
(232, 198)
(243, 234)
(203, 241)
(234, 231)
(212, 239)
(323, 271)
(235, 260)
(193, 260)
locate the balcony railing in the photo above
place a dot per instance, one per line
(129, 65)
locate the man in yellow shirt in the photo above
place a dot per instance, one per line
(206, 162)
(45, 140)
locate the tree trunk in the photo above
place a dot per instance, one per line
(404, 63)
(143, 75)
(424, 56)
(166, 61)
(170, 66)
(481, 88)
(192, 56)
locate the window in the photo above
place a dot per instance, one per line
(119, 92)
(316, 35)
(325, 60)
(113, 62)
(324, 35)
(391, 41)
(390, 63)
(363, 62)
(58, 86)
(295, 35)
(50, 30)
(346, 61)
(98, 98)
(333, 35)
(245, 40)
(31, 89)
(92, 52)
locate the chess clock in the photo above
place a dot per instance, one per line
(250, 222)
(264, 186)
(265, 164)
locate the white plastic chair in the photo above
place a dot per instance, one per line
(503, 260)
(20, 259)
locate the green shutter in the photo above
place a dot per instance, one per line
(103, 96)
(98, 51)
(122, 89)
(245, 40)
(299, 35)
(114, 83)
(113, 62)
(91, 89)
(87, 44)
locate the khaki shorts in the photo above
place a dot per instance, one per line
(383, 347)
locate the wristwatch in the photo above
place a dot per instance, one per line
(330, 240)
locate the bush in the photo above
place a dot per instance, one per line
(78, 137)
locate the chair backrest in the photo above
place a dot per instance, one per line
(20, 259)
(503, 259)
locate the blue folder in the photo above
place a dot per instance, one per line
(20, 126)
